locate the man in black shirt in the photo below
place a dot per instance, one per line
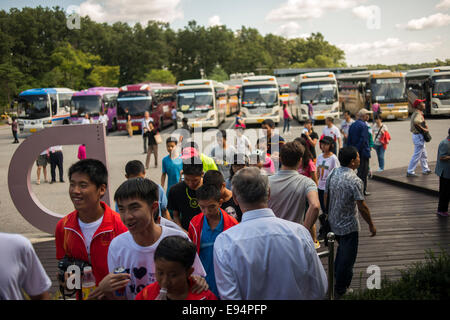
(182, 200)
(214, 177)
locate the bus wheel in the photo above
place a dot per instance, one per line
(65, 121)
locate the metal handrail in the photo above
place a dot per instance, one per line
(330, 254)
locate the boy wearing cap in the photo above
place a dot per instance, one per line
(417, 127)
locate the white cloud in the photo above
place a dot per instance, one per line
(214, 21)
(138, 11)
(289, 30)
(433, 21)
(444, 4)
(389, 51)
(308, 9)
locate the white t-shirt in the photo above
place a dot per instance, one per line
(332, 132)
(85, 121)
(243, 145)
(138, 261)
(103, 120)
(20, 268)
(324, 167)
(88, 230)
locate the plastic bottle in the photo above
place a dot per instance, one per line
(88, 282)
(162, 294)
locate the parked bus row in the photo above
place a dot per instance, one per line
(207, 103)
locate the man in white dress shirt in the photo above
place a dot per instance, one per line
(265, 257)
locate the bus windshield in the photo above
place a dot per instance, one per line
(260, 96)
(33, 107)
(83, 104)
(441, 87)
(195, 100)
(318, 92)
(137, 102)
(388, 90)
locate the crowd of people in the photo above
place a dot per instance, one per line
(239, 223)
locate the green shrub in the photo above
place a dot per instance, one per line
(429, 280)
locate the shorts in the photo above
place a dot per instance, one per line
(42, 160)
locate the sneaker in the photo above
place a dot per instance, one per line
(411, 174)
(442, 214)
(426, 172)
(380, 170)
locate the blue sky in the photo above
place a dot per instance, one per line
(368, 31)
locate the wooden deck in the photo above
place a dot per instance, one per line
(426, 183)
(406, 223)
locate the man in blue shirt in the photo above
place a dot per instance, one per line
(358, 137)
(171, 164)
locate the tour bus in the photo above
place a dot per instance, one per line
(202, 102)
(260, 99)
(156, 98)
(351, 90)
(432, 84)
(389, 90)
(92, 101)
(43, 107)
(321, 88)
(233, 100)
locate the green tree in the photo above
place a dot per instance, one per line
(160, 75)
(104, 76)
(218, 74)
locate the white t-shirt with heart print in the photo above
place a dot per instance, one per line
(138, 261)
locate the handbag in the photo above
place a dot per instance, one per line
(426, 134)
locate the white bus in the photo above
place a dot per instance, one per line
(43, 107)
(260, 99)
(432, 84)
(320, 88)
(202, 102)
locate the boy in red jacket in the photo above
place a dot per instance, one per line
(206, 226)
(85, 234)
(174, 259)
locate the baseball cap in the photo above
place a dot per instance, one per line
(189, 153)
(417, 102)
(363, 111)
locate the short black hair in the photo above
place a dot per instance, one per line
(138, 188)
(346, 155)
(193, 166)
(269, 122)
(176, 249)
(291, 153)
(171, 139)
(208, 192)
(214, 177)
(221, 134)
(331, 119)
(133, 168)
(93, 168)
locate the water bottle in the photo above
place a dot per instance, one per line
(162, 294)
(88, 282)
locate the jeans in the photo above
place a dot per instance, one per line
(420, 154)
(380, 154)
(286, 125)
(345, 260)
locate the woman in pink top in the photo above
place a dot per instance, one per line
(82, 152)
(286, 116)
